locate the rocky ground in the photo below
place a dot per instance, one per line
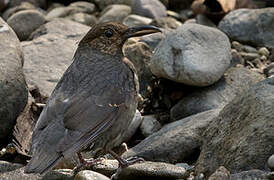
(206, 107)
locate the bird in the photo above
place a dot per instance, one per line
(93, 103)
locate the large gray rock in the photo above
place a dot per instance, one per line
(241, 137)
(23, 6)
(148, 8)
(13, 88)
(251, 174)
(25, 22)
(193, 54)
(176, 141)
(116, 12)
(50, 52)
(233, 83)
(90, 175)
(253, 26)
(144, 170)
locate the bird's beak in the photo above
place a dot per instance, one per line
(140, 31)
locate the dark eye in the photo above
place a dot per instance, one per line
(109, 33)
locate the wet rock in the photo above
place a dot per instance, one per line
(83, 18)
(234, 82)
(241, 137)
(220, 174)
(242, 25)
(12, 171)
(144, 170)
(148, 8)
(115, 12)
(175, 142)
(149, 125)
(90, 175)
(13, 88)
(50, 52)
(270, 162)
(136, 20)
(166, 23)
(23, 6)
(25, 22)
(193, 54)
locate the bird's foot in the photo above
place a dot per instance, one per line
(86, 163)
(123, 163)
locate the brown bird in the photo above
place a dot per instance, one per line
(93, 103)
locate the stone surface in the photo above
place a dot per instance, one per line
(38, 3)
(102, 4)
(241, 137)
(270, 162)
(12, 171)
(134, 125)
(25, 22)
(148, 8)
(83, 18)
(23, 6)
(220, 174)
(50, 52)
(242, 25)
(152, 40)
(116, 12)
(144, 170)
(90, 175)
(192, 54)
(251, 174)
(176, 141)
(166, 23)
(13, 88)
(136, 20)
(233, 83)
(149, 125)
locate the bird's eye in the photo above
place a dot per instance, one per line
(109, 33)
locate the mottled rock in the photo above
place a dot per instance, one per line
(220, 174)
(83, 18)
(136, 20)
(152, 40)
(166, 23)
(25, 22)
(176, 141)
(116, 12)
(144, 170)
(90, 175)
(270, 162)
(23, 6)
(13, 88)
(242, 25)
(38, 3)
(149, 125)
(50, 52)
(148, 8)
(241, 137)
(102, 4)
(232, 84)
(192, 54)
(86, 7)
(251, 174)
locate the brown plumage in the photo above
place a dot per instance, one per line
(93, 103)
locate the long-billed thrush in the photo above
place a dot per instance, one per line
(93, 103)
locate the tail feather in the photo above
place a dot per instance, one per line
(43, 164)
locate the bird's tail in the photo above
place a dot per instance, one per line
(42, 163)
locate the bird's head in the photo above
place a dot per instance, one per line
(109, 37)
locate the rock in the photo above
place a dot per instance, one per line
(243, 48)
(136, 20)
(86, 7)
(25, 22)
(264, 52)
(134, 125)
(270, 162)
(220, 174)
(149, 8)
(149, 125)
(175, 142)
(251, 174)
(90, 175)
(166, 23)
(115, 12)
(241, 137)
(152, 40)
(242, 25)
(204, 20)
(13, 88)
(50, 52)
(37, 3)
(234, 82)
(58, 12)
(193, 54)
(12, 171)
(139, 54)
(83, 18)
(103, 4)
(144, 170)
(23, 6)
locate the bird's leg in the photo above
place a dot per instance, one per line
(123, 163)
(84, 163)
